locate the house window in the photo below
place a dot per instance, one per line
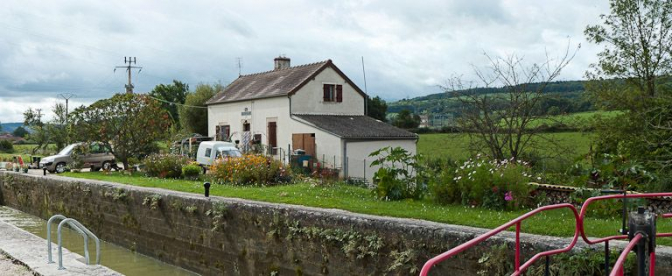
(246, 126)
(332, 92)
(222, 132)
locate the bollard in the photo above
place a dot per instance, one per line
(44, 171)
(206, 185)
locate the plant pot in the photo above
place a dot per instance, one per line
(25, 170)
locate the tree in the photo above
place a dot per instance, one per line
(500, 124)
(20, 132)
(405, 119)
(193, 114)
(638, 43)
(127, 124)
(632, 76)
(53, 132)
(377, 108)
(169, 94)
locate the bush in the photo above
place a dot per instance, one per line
(491, 184)
(191, 171)
(399, 176)
(164, 165)
(6, 146)
(250, 170)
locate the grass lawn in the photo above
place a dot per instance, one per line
(360, 200)
(25, 151)
(455, 145)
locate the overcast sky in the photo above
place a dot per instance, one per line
(409, 47)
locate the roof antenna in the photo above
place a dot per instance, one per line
(366, 93)
(240, 66)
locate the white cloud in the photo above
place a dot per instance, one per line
(52, 47)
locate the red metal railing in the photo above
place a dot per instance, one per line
(517, 222)
(579, 218)
(618, 266)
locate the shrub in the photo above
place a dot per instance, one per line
(250, 170)
(399, 175)
(6, 146)
(164, 165)
(491, 184)
(191, 171)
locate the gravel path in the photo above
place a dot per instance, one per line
(8, 267)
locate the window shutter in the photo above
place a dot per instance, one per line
(339, 93)
(325, 88)
(217, 136)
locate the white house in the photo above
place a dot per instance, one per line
(313, 107)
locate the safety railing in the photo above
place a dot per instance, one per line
(79, 228)
(517, 222)
(579, 230)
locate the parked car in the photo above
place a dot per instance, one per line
(96, 157)
(209, 151)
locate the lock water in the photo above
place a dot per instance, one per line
(113, 256)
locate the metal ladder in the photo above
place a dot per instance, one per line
(74, 224)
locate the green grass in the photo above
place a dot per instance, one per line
(578, 120)
(360, 200)
(25, 151)
(456, 145)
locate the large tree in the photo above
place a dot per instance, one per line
(633, 76)
(406, 119)
(194, 114)
(20, 132)
(501, 124)
(127, 124)
(376, 108)
(171, 96)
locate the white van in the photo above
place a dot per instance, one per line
(209, 151)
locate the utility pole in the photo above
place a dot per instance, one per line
(129, 60)
(240, 66)
(66, 97)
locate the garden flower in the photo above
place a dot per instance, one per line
(508, 196)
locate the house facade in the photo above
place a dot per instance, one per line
(314, 107)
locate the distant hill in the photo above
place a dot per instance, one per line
(10, 127)
(442, 107)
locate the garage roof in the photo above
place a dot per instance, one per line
(356, 127)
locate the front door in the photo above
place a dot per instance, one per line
(272, 137)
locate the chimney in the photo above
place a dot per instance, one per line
(281, 63)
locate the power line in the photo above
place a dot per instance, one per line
(174, 103)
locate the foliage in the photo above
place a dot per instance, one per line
(77, 163)
(499, 124)
(127, 124)
(399, 175)
(191, 170)
(376, 108)
(20, 132)
(586, 262)
(43, 134)
(618, 172)
(169, 94)
(638, 40)
(637, 57)
(250, 170)
(405, 119)
(490, 184)
(6, 146)
(495, 261)
(195, 120)
(164, 165)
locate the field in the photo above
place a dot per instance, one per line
(456, 145)
(25, 152)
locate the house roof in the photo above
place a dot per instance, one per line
(282, 82)
(356, 127)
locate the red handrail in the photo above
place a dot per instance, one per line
(618, 266)
(584, 209)
(517, 267)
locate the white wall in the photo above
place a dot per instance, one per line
(309, 99)
(263, 110)
(358, 153)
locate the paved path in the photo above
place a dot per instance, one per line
(32, 251)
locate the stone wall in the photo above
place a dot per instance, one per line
(224, 236)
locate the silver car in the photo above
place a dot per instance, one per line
(98, 157)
